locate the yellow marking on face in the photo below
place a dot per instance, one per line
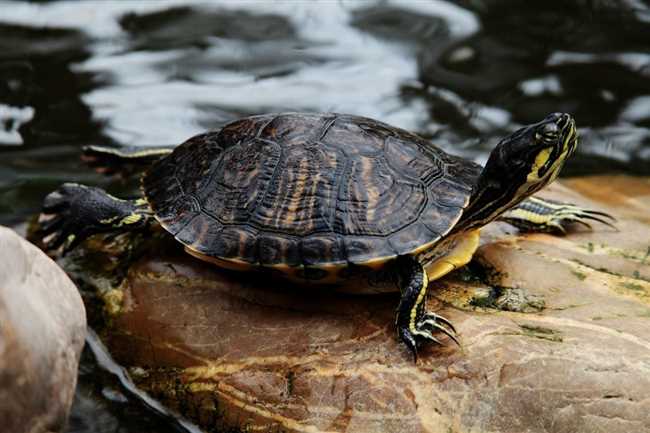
(70, 239)
(554, 170)
(540, 161)
(544, 154)
(569, 136)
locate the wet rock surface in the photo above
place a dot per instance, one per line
(557, 343)
(42, 329)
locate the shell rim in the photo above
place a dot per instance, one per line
(242, 264)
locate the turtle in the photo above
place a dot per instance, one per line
(330, 200)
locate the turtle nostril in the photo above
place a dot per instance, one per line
(555, 118)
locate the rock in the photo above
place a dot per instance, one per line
(42, 330)
(572, 355)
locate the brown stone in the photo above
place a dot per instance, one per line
(228, 349)
(42, 330)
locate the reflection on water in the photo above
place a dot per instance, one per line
(462, 73)
(591, 59)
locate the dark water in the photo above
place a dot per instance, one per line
(463, 73)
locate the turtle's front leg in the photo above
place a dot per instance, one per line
(414, 323)
(542, 215)
(73, 212)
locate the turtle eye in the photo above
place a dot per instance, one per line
(550, 137)
(548, 133)
(547, 138)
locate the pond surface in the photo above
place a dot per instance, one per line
(462, 73)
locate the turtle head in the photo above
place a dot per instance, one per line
(520, 165)
(532, 156)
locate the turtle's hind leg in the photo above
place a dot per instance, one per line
(123, 160)
(542, 215)
(74, 212)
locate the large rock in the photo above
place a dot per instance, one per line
(554, 331)
(42, 330)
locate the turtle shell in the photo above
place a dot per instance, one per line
(308, 190)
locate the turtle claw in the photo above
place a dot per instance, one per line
(599, 213)
(427, 335)
(581, 217)
(589, 215)
(434, 317)
(557, 227)
(436, 324)
(409, 341)
(584, 224)
(424, 330)
(48, 223)
(57, 239)
(569, 213)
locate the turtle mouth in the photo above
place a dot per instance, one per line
(566, 145)
(568, 135)
(563, 121)
(571, 137)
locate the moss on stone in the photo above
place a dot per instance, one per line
(579, 275)
(541, 333)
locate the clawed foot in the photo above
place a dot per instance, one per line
(566, 214)
(62, 218)
(73, 212)
(423, 331)
(542, 215)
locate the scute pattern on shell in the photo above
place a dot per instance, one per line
(303, 189)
